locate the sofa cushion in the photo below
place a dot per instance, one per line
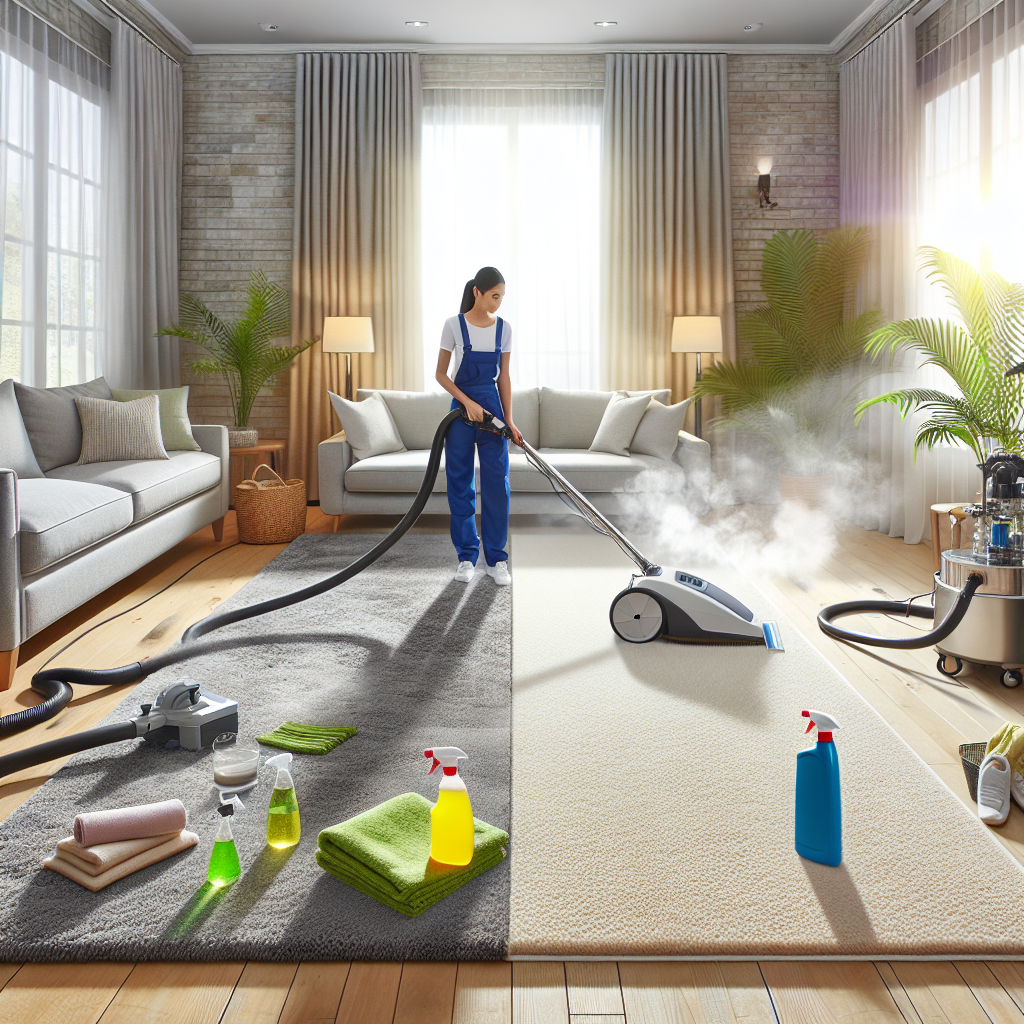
(622, 415)
(15, 448)
(61, 517)
(416, 413)
(120, 431)
(175, 428)
(569, 419)
(526, 414)
(153, 485)
(368, 425)
(658, 432)
(52, 422)
(397, 471)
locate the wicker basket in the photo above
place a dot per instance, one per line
(971, 756)
(271, 511)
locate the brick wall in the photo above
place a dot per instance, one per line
(81, 26)
(787, 108)
(522, 70)
(237, 187)
(951, 18)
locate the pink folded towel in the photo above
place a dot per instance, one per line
(94, 860)
(177, 843)
(98, 827)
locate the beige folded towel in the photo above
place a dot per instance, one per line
(94, 860)
(177, 843)
(117, 823)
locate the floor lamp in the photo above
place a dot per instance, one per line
(697, 334)
(347, 334)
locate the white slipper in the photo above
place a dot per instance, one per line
(994, 789)
(465, 572)
(500, 574)
(1017, 789)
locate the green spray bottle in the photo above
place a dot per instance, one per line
(225, 866)
(283, 826)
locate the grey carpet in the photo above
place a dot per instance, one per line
(410, 657)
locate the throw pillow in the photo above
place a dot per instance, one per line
(15, 448)
(174, 425)
(369, 426)
(52, 422)
(619, 423)
(120, 431)
(658, 433)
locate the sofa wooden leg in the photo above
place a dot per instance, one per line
(218, 529)
(8, 663)
(337, 523)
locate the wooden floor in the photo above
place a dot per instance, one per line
(933, 714)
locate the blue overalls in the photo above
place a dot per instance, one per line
(477, 376)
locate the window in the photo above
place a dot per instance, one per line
(50, 138)
(511, 178)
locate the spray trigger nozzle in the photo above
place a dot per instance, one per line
(447, 757)
(228, 806)
(820, 721)
(278, 761)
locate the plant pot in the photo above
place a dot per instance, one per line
(810, 491)
(242, 437)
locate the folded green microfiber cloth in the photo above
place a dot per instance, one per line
(385, 853)
(307, 739)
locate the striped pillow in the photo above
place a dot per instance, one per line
(119, 431)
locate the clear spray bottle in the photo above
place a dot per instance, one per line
(225, 866)
(451, 820)
(283, 826)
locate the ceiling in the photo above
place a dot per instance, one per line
(503, 23)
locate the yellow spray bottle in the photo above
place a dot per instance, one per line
(451, 820)
(283, 827)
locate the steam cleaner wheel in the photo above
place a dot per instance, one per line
(1011, 677)
(949, 665)
(637, 616)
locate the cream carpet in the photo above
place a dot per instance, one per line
(652, 795)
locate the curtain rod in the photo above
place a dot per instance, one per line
(974, 21)
(909, 9)
(50, 25)
(131, 24)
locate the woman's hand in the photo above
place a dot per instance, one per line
(517, 437)
(474, 411)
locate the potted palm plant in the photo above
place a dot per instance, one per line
(241, 349)
(988, 413)
(798, 386)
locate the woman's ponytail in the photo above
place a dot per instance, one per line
(486, 278)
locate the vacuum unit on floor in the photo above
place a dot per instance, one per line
(978, 599)
(658, 603)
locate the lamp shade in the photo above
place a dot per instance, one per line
(697, 334)
(347, 334)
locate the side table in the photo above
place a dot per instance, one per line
(266, 452)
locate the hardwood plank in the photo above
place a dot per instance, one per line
(483, 993)
(653, 993)
(747, 992)
(539, 994)
(260, 994)
(809, 992)
(315, 992)
(426, 994)
(8, 971)
(938, 992)
(898, 993)
(61, 994)
(158, 993)
(370, 993)
(597, 1018)
(593, 987)
(994, 999)
(1009, 974)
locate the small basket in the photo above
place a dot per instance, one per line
(971, 756)
(270, 511)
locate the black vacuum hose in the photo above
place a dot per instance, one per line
(43, 752)
(953, 619)
(54, 683)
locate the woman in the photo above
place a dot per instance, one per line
(479, 379)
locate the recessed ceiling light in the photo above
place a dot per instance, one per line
(754, 26)
(605, 24)
(268, 26)
(417, 24)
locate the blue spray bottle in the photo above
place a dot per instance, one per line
(819, 817)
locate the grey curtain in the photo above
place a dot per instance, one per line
(356, 244)
(667, 240)
(143, 213)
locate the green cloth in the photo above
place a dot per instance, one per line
(385, 853)
(308, 739)
(174, 425)
(1008, 740)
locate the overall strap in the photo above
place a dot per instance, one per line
(497, 337)
(466, 347)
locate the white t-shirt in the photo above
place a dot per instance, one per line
(481, 339)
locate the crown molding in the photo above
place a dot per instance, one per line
(857, 24)
(168, 26)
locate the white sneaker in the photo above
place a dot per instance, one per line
(500, 574)
(465, 572)
(994, 789)
(1017, 789)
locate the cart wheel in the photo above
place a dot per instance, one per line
(1011, 677)
(637, 616)
(947, 669)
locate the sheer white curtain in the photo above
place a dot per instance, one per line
(53, 97)
(511, 178)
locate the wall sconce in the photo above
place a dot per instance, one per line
(764, 183)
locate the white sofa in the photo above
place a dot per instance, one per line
(560, 424)
(71, 532)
